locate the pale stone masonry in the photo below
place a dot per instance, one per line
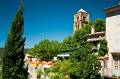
(80, 19)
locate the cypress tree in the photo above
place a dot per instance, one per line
(13, 56)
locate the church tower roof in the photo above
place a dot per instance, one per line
(81, 10)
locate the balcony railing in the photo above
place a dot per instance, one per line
(95, 39)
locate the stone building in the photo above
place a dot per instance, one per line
(111, 62)
(113, 39)
(80, 19)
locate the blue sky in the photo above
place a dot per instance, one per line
(48, 19)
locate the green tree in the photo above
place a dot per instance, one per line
(80, 36)
(87, 28)
(99, 25)
(75, 39)
(61, 70)
(103, 50)
(81, 65)
(13, 56)
(68, 43)
(45, 49)
(1, 51)
(85, 64)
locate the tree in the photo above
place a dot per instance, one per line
(103, 50)
(81, 65)
(45, 50)
(13, 56)
(85, 64)
(68, 43)
(87, 28)
(80, 37)
(61, 70)
(1, 51)
(99, 25)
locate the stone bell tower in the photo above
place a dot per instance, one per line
(80, 19)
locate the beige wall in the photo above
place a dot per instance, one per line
(113, 33)
(113, 37)
(79, 21)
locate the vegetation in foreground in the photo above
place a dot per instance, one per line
(83, 62)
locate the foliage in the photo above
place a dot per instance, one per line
(68, 43)
(61, 70)
(80, 37)
(0, 70)
(13, 56)
(103, 50)
(1, 51)
(83, 60)
(86, 65)
(45, 50)
(87, 28)
(82, 52)
(1, 76)
(83, 64)
(39, 73)
(74, 40)
(99, 25)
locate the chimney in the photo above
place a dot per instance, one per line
(92, 29)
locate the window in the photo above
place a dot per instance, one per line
(77, 17)
(116, 62)
(105, 64)
(78, 26)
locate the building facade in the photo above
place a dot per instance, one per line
(113, 39)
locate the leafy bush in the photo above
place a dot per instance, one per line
(61, 70)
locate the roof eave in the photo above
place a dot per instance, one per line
(111, 9)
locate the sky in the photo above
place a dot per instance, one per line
(48, 19)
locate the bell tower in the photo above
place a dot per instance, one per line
(80, 19)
